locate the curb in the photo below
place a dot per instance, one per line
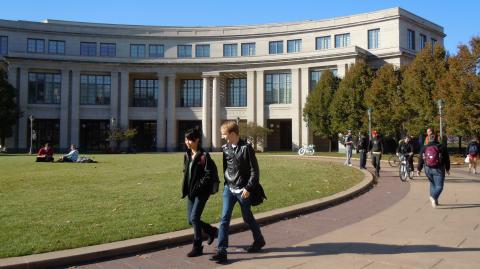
(128, 247)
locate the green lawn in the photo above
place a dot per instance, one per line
(53, 206)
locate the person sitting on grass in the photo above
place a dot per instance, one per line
(71, 157)
(45, 154)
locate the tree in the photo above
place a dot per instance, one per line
(421, 87)
(254, 133)
(118, 135)
(347, 109)
(316, 112)
(9, 110)
(386, 99)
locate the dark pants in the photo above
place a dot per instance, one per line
(363, 158)
(376, 163)
(195, 209)
(229, 201)
(45, 159)
(436, 176)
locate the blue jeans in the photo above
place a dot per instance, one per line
(194, 213)
(229, 200)
(376, 162)
(349, 149)
(363, 158)
(436, 176)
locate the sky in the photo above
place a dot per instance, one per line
(460, 19)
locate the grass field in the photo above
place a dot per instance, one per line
(52, 206)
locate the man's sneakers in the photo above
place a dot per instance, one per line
(219, 257)
(433, 202)
(256, 246)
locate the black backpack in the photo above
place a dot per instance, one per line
(473, 149)
(215, 179)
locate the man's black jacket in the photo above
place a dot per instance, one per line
(405, 148)
(240, 166)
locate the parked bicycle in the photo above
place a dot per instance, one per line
(308, 150)
(405, 170)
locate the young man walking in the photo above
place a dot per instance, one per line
(241, 175)
(376, 148)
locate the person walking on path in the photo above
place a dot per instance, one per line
(362, 148)
(349, 148)
(376, 149)
(241, 174)
(473, 150)
(197, 180)
(436, 161)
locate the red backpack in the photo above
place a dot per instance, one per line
(431, 156)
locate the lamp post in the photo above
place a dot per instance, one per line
(440, 106)
(113, 122)
(238, 120)
(369, 112)
(31, 134)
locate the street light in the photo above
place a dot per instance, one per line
(113, 122)
(31, 133)
(238, 120)
(440, 106)
(369, 111)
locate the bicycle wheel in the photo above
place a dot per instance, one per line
(403, 172)
(393, 161)
(301, 151)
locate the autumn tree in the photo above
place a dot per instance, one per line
(9, 110)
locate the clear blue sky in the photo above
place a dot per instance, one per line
(460, 19)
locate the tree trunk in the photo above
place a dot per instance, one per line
(330, 141)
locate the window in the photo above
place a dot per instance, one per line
(342, 40)
(373, 42)
(44, 88)
(322, 43)
(95, 90)
(156, 51)
(411, 39)
(275, 47)
(230, 50)
(433, 41)
(236, 92)
(202, 51)
(56, 47)
(248, 49)
(145, 92)
(294, 45)
(3, 45)
(108, 49)
(94, 134)
(36, 45)
(314, 78)
(88, 49)
(278, 88)
(423, 41)
(137, 50)
(184, 51)
(191, 93)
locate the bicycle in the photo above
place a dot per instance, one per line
(405, 171)
(393, 161)
(309, 150)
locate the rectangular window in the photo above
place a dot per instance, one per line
(342, 40)
(56, 46)
(88, 48)
(145, 92)
(94, 134)
(423, 41)
(184, 51)
(230, 50)
(108, 49)
(322, 43)
(191, 93)
(202, 51)
(248, 49)
(411, 39)
(44, 88)
(137, 50)
(156, 51)
(3, 45)
(236, 92)
(278, 88)
(95, 90)
(36, 45)
(373, 41)
(433, 41)
(294, 45)
(314, 78)
(275, 47)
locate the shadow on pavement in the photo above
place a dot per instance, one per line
(457, 206)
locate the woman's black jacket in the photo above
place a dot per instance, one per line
(199, 182)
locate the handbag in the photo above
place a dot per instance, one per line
(467, 159)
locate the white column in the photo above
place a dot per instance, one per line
(114, 98)
(305, 89)
(124, 103)
(251, 97)
(216, 141)
(23, 103)
(75, 128)
(12, 79)
(64, 98)
(161, 113)
(206, 115)
(296, 109)
(260, 105)
(171, 118)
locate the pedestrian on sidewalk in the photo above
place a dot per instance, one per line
(436, 161)
(348, 147)
(197, 180)
(473, 150)
(242, 185)
(375, 148)
(362, 148)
